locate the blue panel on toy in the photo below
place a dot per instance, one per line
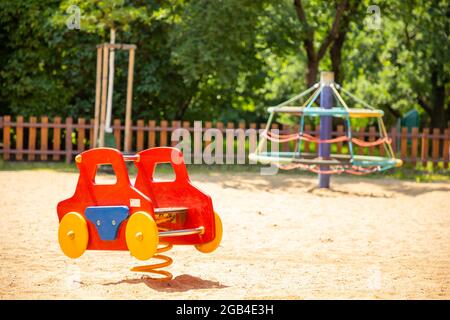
(107, 219)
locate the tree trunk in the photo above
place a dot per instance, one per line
(336, 56)
(314, 56)
(313, 70)
(353, 13)
(184, 107)
(187, 102)
(438, 116)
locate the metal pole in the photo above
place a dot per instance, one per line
(326, 102)
(98, 88)
(110, 82)
(127, 146)
(101, 140)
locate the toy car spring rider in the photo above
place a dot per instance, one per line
(146, 218)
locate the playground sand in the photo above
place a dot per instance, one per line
(283, 239)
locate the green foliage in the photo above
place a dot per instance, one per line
(101, 16)
(409, 47)
(219, 59)
(226, 48)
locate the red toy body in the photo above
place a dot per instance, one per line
(177, 193)
(97, 216)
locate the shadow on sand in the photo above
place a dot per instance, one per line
(335, 192)
(180, 283)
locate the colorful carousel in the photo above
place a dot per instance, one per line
(325, 163)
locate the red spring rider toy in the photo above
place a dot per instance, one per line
(146, 218)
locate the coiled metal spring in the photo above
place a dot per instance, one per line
(166, 261)
(153, 268)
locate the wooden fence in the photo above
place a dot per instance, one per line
(62, 139)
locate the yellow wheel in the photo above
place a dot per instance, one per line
(142, 235)
(213, 244)
(73, 235)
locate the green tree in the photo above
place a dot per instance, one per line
(403, 65)
(425, 37)
(37, 61)
(214, 44)
(224, 60)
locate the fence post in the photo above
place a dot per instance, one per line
(394, 140)
(404, 143)
(140, 135)
(187, 151)
(128, 135)
(1, 127)
(91, 133)
(230, 143)
(306, 143)
(198, 142)
(19, 138)
(6, 137)
(218, 140)
(151, 133)
(382, 150)
(274, 126)
(175, 125)
(252, 140)
(296, 130)
(44, 138)
(262, 141)
(56, 138)
(286, 130)
(186, 125)
(317, 134)
(219, 126)
(382, 146)
(424, 151)
(32, 138)
(117, 133)
(208, 125)
(81, 134)
(414, 144)
(241, 143)
(445, 148)
(207, 141)
(69, 139)
(435, 147)
(372, 136)
(163, 134)
(340, 132)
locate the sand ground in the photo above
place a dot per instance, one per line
(369, 238)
